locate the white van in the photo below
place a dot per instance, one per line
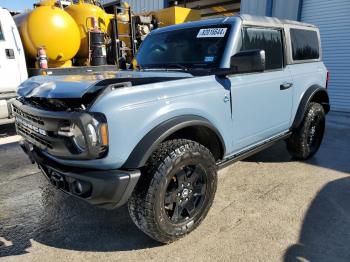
(13, 70)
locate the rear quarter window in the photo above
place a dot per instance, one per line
(305, 44)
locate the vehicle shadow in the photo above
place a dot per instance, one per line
(333, 153)
(325, 233)
(61, 221)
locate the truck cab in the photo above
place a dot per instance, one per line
(13, 69)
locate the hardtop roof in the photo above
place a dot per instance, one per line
(244, 18)
(273, 21)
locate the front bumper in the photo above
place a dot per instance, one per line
(6, 101)
(104, 188)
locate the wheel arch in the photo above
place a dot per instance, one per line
(314, 93)
(191, 127)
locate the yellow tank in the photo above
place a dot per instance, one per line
(82, 13)
(176, 15)
(51, 27)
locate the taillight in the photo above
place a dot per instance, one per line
(327, 80)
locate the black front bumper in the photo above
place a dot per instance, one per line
(104, 188)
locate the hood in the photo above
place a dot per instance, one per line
(75, 86)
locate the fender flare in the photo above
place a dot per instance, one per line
(308, 96)
(152, 139)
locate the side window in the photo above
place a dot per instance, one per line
(1, 34)
(305, 44)
(266, 39)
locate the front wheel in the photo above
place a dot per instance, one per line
(307, 138)
(176, 190)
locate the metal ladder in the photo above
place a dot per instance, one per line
(118, 49)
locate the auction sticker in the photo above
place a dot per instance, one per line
(212, 32)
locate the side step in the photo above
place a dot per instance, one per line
(251, 151)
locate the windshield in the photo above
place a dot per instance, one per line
(200, 47)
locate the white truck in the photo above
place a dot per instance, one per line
(13, 69)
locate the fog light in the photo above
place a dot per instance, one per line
(78, 188)
(81, 188)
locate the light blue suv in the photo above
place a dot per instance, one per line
(205, 94)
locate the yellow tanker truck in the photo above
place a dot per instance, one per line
(83, 34)
(65, 34)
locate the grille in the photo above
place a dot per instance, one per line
(30, 133)
(25, 132)
(27, 116)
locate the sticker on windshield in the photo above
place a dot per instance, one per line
(209, 59)
(212, 32)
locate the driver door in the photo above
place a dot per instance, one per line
(262, 101)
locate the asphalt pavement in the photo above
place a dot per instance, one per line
(267, 208)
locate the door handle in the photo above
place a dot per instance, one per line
(285, 86)
(10, 53)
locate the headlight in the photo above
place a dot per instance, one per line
(95, 135)
(78, 137)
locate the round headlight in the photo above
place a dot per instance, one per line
(78, 137)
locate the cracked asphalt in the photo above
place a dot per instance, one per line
(267, 208)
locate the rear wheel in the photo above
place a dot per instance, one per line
(176, 190)
(307, 138)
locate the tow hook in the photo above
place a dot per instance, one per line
(57, 180)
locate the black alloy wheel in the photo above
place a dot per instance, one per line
(185, 193)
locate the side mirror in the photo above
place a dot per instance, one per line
(248, 61)
(244, 62)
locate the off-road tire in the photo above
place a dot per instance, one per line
(146, 203)
(298, 144)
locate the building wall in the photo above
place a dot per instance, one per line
(213, 8)
(139, 6)
(332, 17)
(254, 7)
(285, 9)
(207, 8)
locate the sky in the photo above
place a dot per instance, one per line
(17, 5)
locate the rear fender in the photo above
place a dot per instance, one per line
(314, 93)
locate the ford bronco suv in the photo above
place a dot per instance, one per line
(205, 94)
